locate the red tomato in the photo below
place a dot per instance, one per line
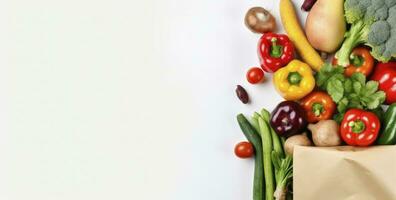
(244, 150)
(255, 75)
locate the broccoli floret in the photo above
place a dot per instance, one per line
(373, 23)
(381, 13)
(391, 20)
(390, 47)
(372, 12)
(379, 33)
(356, 9)
(367, 3)
(374, 7)
(377, 51)
(392, 15)
(390, 3)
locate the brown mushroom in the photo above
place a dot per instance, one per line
(259, 20)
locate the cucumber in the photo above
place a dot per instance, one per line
(388, 136)
(253, 137)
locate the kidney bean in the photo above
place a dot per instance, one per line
(242, 94)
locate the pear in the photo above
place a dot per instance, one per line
(325, 25)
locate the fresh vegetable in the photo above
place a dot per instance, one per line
(255, 75)
(244, 150)
(283, 174)
(359, 127)
(373, 23)
(385, 74)
(379, 112)
(388, 133)
(318, 105)
(276, 141)
(327, 18)
(361, 61)
(296, 140)
(297, 35)
(275, 51)
(242, 94)
(254, 138)
(349, 92)
(325, 133)
(294, 81)
(259, 20)
(267, 150)
(288, 118)
(307, 5)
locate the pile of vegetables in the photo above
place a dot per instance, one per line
(273, 169)
(348, 99)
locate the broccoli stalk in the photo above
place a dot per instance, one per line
(357, 34)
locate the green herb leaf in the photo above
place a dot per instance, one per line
(381, 96)
(340, 77)
(342, 105)
(374, 100)
(326, 72)
(372, 103)
(354, 101)
(359, 77)
(348, 86)
(339, 69)
(357, 86)
(335, 90)
(352, 92)
(370, 88)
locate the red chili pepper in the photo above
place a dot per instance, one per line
(359, 127)
(385, 74)
(275, 51)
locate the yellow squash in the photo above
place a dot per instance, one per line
(294, 81)
(297, 36)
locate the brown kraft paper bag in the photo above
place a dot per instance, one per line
(344, 173)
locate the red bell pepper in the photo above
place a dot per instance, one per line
(359, 127)
(385, 74)
(274, 51)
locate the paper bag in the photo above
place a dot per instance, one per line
(344, 173)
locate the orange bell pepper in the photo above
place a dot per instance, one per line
(318, 106)
(361, 61)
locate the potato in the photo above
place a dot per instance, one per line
(299, 140)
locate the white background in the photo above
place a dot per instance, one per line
(121, 99)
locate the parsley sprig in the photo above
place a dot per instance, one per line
(349, 92)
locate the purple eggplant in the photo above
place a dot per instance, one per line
(288, 119)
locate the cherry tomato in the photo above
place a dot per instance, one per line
(244, 150)
(255, 75)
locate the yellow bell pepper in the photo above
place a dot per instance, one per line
(294, 81)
